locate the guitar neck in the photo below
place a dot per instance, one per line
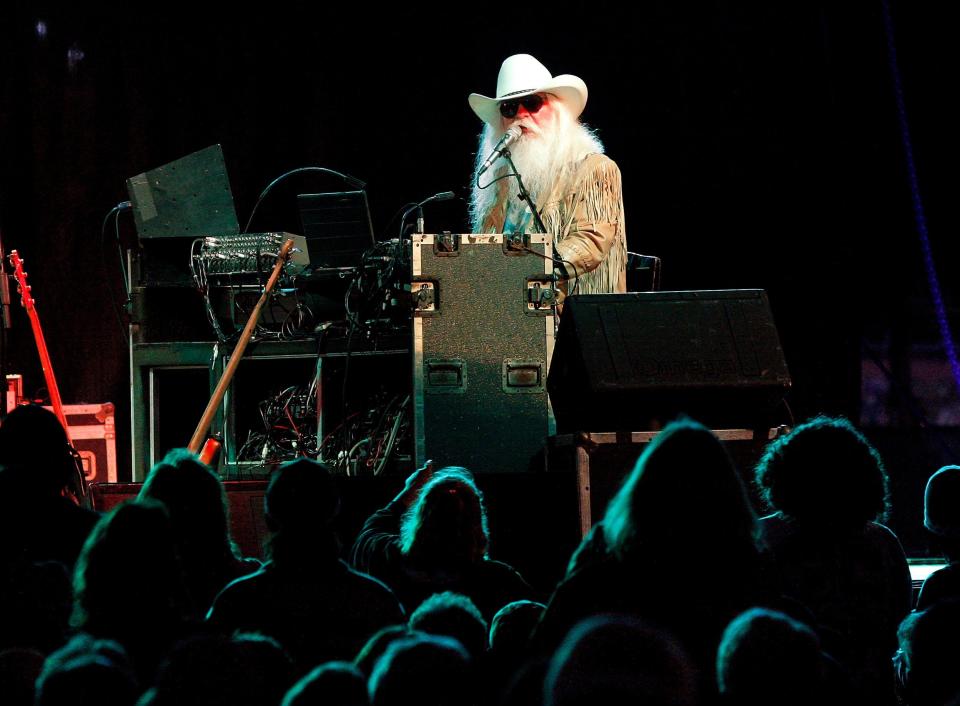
(26, 298)
(51, 380)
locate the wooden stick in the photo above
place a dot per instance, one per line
(207, 419)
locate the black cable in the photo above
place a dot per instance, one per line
(555, 260)
(343, 400)
(353, 181)
(404, 210)
(495, 180)
(117, 309)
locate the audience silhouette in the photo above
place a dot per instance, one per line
(199, 516)
(617, 660)
(828, 487)
(941, 518)
(676, 548)
(929, 653)
(424, 669)
(678, 595)
(453, 615)
(128, 585)
(767, 657)
(37, 468)
(305, 596)
(340, 683)
(433, 537)
(210, 670)
(87, 672)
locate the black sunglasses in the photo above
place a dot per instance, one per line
(532, 103)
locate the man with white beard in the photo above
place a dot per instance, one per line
(575, 187)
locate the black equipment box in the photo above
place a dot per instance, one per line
(602, 461)
(483, 331)
(635, 361)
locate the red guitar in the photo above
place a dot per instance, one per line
(26, 298)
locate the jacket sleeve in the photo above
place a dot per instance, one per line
(377, 546)
(595, 222)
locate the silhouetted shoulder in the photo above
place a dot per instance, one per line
(940, 585)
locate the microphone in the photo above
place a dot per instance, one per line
(509, 137)
(442, 196)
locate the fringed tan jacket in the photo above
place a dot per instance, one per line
(584, 213)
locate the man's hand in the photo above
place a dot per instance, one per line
(414, 484)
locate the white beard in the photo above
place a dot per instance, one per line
(539, 159)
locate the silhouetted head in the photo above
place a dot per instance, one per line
(767, 657)
(447, 525)
(32, 439)
(301, 505)
(512, 627)
(128, 573)
(302, 495)
(87, 672)
(340, 683)
(684, 496)
(423, 669)
(196, 501)
(824, 472)
(941, 509)
(454, 615)
(616, 660)
(377, 644)
(247, 669)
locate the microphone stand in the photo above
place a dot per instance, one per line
(524, 195)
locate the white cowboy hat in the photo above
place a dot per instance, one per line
(520, 75)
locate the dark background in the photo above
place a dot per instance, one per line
(759, 146)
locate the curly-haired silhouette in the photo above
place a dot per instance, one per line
(453, 615)
(828, 487)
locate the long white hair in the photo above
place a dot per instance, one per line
(539, 161)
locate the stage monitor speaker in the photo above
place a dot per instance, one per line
(632, 362)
